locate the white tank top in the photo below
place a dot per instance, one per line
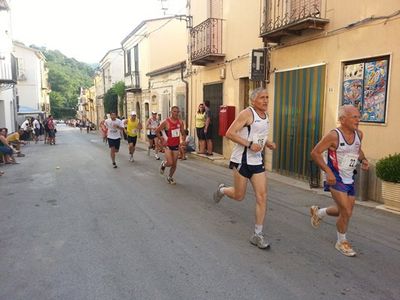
(257, 132)
(343, 160)
(153, 126)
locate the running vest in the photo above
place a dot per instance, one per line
(257, 132)
(343, 160)
(132, 127)
(173, 133)
(200, 120)
(153, 124)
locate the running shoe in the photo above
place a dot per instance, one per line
(345, 248)
(218, 195)
(162, 168)
(315, 220)
(156, 156)
(115, 165)
(259, 240)
(170, 180)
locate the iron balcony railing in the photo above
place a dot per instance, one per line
(8, 69)
(206, 39)
(132, 81)
(282, 13)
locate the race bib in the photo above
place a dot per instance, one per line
(259, 139)
(349, 161)
(175, 132)
(134, 131)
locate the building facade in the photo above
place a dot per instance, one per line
(324, 55)
(153, 56)
(8, 71)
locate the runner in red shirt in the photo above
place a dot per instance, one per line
(175, 135)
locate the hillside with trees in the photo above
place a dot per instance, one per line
(66, 76)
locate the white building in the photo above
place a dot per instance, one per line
(32, 89)
(8, 72)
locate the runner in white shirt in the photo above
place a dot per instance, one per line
(343, 146)
(36, 128)
(250, 133)
(114, 128)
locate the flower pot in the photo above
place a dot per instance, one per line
(391, 195)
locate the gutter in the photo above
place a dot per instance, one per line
(187, 95)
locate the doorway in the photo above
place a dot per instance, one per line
(298, 109)
(213, 93)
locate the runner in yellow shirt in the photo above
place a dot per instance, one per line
(132, 130)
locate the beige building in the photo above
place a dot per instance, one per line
(319, 54)
(325, 55)
(154, 54)
(221, 42)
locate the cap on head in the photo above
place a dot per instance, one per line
(133, 113)
(153, 112)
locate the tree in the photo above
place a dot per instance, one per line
(110, 101)
(119, 88)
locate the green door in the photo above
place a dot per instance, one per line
(299, 98)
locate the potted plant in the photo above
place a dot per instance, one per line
(388, 170)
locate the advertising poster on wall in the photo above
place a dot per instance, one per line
(375, 82)
(365, 87)
(353, 84)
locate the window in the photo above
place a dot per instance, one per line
(365, 86)
(128, 62)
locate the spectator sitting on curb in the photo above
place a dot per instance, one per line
(189, 146)
(6, 149)
(14, 140)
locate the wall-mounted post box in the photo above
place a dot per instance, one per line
(226, 117)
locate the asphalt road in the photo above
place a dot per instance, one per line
(71, 227)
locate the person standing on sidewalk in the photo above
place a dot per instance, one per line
(132, 129)
(343, 146)
(175, 132)
(250, 133)
(208, 128)
(114, 128)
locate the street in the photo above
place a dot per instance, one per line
(72, 227)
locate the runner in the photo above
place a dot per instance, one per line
(250, 133)
(174, 132)
(114, 128)
(343, 146)
(151, 126)
(103, 130)
(132, 129)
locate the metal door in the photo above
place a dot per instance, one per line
(213, 93)
(299, 97)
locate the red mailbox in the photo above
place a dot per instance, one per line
(226, 117)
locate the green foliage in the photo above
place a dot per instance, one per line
(110, 101)
(388, 168)
(119, 88)
(66, 76)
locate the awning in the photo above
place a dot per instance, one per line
(24, 110)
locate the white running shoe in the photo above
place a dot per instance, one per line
(218, 195)
(259, 240)
(156, 156)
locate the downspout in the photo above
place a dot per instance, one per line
(187, 96)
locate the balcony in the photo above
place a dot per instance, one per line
(132, 82)
(291, 18)
(8, 71)
(206, 42)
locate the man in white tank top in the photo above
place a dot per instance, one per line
(343, 147)
(250, 133)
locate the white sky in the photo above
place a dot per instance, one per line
(84, 29)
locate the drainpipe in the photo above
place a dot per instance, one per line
(187, 96)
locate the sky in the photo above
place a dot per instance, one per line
(84, 29)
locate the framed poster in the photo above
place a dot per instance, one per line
(365, 86)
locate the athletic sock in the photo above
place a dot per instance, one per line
(341, 237)
(322, 212)
(258, 229)
(222, 190)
